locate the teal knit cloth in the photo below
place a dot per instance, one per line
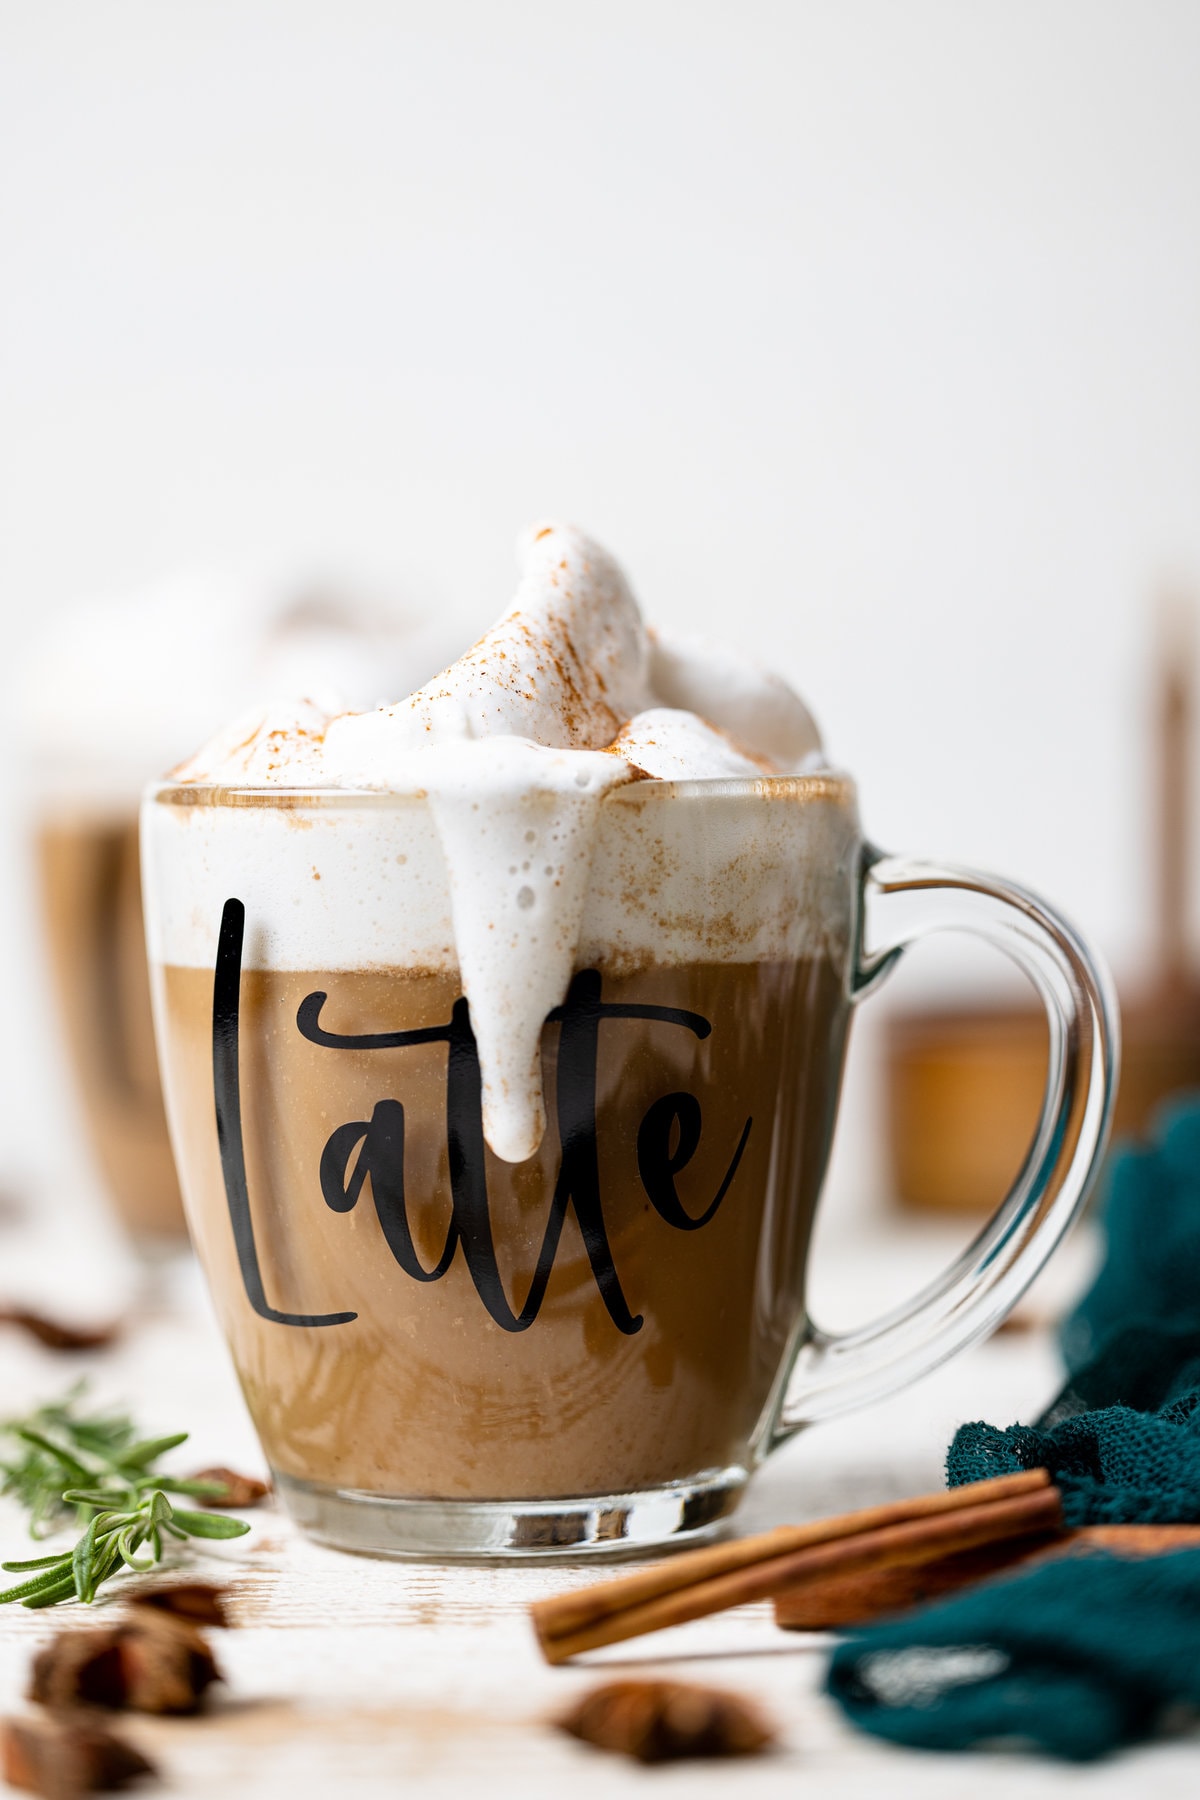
(1075, 1658)
(1081, 1655)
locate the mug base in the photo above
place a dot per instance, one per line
(600, 1525)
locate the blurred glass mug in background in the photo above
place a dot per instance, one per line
(89, 880)
(592, 1345)
(121, 691)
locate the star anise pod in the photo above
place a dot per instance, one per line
(149, 1662)
(62, 1758)
(661, 1721)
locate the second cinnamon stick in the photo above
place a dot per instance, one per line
(835, 1601)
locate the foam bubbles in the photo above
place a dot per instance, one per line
(516, 746)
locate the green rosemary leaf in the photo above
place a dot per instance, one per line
(102, 1497)
(150, 1449)
(109, 1561)
(47, 1579)
(51, 1596)
(83, 1559)
(159, 1511)
(58, 1452)
(130, 1542)
(210, 1525)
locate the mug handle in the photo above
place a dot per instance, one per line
(903, 900)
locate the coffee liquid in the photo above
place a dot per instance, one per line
(92, 911)
(610, 1315)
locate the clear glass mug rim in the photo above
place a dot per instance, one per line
(812, 785)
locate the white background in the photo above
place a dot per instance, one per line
(867, 335)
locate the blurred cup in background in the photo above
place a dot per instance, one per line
(122, 690)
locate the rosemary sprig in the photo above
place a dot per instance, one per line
(65, 1463)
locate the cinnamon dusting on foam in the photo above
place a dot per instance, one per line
(515, 746)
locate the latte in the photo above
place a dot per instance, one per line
(502, 1030)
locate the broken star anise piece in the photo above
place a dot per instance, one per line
(200, 1602)
(660, 1721)
(62, 1758)
(239, 1490)
(151, 1662)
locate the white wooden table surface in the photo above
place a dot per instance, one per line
(361, 1678)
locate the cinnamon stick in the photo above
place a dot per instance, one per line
(834, 1602)
(709, 1580)
(1136, 1540)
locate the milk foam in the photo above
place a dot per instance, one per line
(515, 748)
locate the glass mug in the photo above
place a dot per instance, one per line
(448, 1354)
(91, 909)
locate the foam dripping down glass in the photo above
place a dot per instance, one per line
(502, 1075)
